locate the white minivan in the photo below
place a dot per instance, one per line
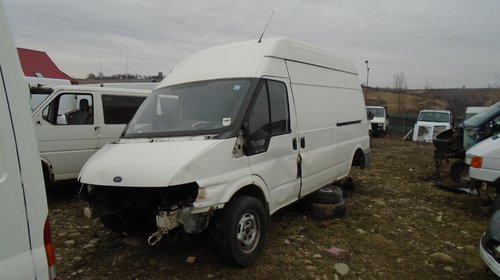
(233, 134)
(73, 122)
(26, 250)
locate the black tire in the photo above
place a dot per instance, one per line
(327, 195)
(241, 230)
(114, 222)
(326, 211)
(458, 170)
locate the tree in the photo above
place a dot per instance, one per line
(91, 76)
(400, 86)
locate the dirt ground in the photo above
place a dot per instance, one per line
(397, 226)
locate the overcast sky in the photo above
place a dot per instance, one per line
(445, 43)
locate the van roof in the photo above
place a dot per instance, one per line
(243, 59)
(108, 90)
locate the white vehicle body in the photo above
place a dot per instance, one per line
(380, 119)
(26, 251)
(471, 111)
(73, 122)
(315, 131)
(430, 123)
(484, 161)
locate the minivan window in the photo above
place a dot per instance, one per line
(71, 109)
(120, 109)
(196, 108)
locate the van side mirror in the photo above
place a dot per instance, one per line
(386, 116)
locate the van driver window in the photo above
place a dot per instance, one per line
(70, 109)
(259, 120)
(280, 116)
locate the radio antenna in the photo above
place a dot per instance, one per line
(265, 28)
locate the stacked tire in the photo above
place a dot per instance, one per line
(326, 203)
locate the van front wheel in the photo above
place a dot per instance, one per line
(242, 230)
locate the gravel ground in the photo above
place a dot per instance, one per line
(398, 226)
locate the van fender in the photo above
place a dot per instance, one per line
(252, 182)
(359, 157)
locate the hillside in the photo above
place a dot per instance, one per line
(412, 101)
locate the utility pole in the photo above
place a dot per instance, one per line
(367, 72)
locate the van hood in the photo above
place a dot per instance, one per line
(141, 163)
(489, 148)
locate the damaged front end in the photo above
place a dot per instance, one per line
(490, 244)
(133, 209)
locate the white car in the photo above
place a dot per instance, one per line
(489, 246)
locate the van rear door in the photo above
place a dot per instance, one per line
(15, 250)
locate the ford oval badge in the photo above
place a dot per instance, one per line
(117, 179)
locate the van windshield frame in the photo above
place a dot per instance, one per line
(211, 107)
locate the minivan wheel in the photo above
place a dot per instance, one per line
(242, 229)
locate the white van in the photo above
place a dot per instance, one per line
(430, 123)
(26, 250)
(73, 122)
(233, 134)
(380, 120)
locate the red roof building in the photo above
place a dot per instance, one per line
(38, 64)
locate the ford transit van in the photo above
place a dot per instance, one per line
(26, 250)
(73, 122)
(233, 134)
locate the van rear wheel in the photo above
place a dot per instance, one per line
(242, 230)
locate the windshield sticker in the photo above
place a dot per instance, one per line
(237, 87)
(226, 121)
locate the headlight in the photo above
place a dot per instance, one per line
(476, 161)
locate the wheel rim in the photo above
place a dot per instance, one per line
(248, 232)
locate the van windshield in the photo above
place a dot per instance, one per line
(377, 112)
(434, 117)
(197, 108)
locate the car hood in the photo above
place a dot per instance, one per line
(139, 163)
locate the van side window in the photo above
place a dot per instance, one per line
(258, 123)
(270, 115)
(280, 116)
(70, 108)
(120, 109)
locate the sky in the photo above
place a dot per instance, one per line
(436, 44)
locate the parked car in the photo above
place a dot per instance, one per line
(73, 122)
(233, 134)
(26, 250)
(489, 246)
(430, 123)
(380, 120)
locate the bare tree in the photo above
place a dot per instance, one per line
(400, 86)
